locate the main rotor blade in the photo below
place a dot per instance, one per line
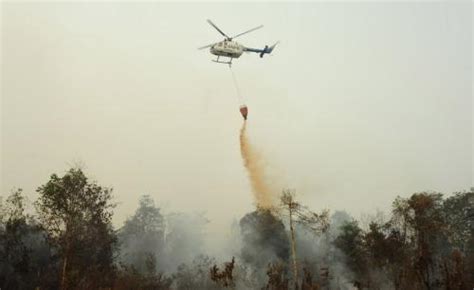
(253, 29)
(217, 28)
(206, 46)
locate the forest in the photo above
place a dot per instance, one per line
(67, 241)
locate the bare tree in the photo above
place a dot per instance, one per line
(224, 277)
(297, 213)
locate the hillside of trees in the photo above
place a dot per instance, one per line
(68, 242)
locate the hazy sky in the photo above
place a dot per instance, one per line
(360, 102)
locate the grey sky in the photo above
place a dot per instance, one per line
(360, 102)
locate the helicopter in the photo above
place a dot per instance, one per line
(232, 49)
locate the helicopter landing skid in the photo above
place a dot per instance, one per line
(224, 62)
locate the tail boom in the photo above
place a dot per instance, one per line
(263, 51)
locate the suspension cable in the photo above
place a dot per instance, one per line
(237, 88)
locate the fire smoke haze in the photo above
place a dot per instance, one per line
(359, 102)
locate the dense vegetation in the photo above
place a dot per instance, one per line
(68, 242)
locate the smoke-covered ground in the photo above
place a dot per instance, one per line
(69, 242)
(178, 242)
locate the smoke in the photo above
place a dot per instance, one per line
(265, 240)
(255, 165)
(184, 240)
(172, 239)
(318, 254)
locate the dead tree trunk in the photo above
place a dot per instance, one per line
(293, 247)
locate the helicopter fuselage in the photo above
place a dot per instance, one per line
(227, 48)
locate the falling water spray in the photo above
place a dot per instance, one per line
(255, 166)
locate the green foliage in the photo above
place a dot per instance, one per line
(459, 214)
(16, 255)
(458, 211)
(425, 245)
(128, 278)
(350, 241)
(196, 275)
(76, 215)
(428, 243)
(264, 238)
(147, 219)
(23, 248)
(142, 235)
